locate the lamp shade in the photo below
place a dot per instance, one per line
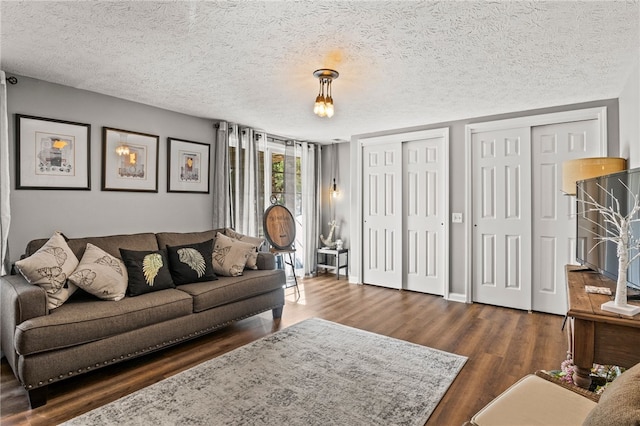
(587, 168)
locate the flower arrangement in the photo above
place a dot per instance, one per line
(601, 375)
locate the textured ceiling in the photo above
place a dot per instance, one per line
(401, 63)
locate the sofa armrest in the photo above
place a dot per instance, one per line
(534, 400)
(266, 261)
(20, 301)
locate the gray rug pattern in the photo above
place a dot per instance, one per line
(313, 373)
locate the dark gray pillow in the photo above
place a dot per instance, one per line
(148, 271)
(191, 263)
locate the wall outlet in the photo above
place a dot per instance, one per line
(456, 217)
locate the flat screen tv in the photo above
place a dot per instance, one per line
(591, 225)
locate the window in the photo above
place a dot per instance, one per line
(273, 180)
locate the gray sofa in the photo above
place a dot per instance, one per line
(87, 333)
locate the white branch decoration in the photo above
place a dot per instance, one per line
(620, 232)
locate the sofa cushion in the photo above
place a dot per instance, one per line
(191, 263)
(111, 244)
(100, 274)
(207, 295)
(181, 238)
(49, 267)
(620, 402)
(148, 271)
(230, 256)
(82, 321)
(534, 401)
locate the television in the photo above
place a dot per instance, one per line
(591, 250)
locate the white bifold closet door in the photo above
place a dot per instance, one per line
(502, 217)
(424, 219)
(382, 214)
(554, 220)
(405, 209)
(523, 225)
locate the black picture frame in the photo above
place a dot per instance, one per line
(135, 170)
(188, 166)
(52, 154)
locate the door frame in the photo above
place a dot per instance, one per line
(358, 143)
(599, 114)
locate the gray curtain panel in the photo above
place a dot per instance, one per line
(5, 182)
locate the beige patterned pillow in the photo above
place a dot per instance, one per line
(230, 256)
(257, 242)
(254, 241)
(101, 274)
(49, 268)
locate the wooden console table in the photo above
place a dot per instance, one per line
(597, 336)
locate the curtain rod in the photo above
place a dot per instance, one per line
(274, 138)
(270, 137)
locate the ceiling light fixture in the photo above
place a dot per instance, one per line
(324, 102)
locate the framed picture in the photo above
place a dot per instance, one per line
(129, 161)
(187, 166)
(52, 154)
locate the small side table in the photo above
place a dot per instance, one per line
(324, 254)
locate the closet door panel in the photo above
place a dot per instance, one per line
(501, 217)
(554, 220)
(382, 215)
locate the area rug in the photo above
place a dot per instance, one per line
(313, 373)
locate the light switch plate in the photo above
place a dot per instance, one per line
(456, 217)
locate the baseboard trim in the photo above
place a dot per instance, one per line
(457, 297)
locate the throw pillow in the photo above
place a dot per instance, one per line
(620, 401)
(230, 256)
(191, 263)
(252, 260)
(55, 300)
(244, 238)
(49, 268)
(147, 270)
(100, 274)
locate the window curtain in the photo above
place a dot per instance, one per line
(249, 191)
(311, 171)
(239, 189)
(5, 183)
(221, 187)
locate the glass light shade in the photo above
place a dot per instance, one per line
(329, 107)
(587, 168)
(318, 107)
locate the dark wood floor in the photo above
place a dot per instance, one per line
(502, 345)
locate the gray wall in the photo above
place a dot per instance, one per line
(37, 213)
(457, 180)
(339, 207)
(629, 101)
